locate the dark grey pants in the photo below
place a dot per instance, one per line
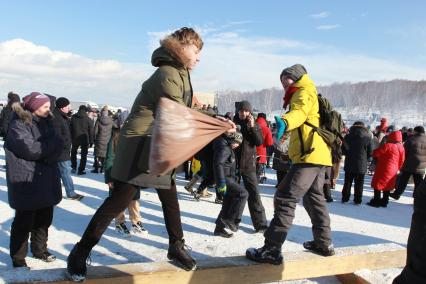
(257, 211)
(303, 180)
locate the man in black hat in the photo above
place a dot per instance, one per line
(246, 163)
(82, 136)
(61, 123)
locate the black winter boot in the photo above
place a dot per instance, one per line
(314, 247)
(178, 252)
(266, 254)
(375, 201)
(385, 200)
(76, 263)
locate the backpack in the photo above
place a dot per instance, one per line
(330, 129)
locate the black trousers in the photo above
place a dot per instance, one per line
(256, 209)
(403, 181)
(26, 222)
(359, 187)
(119, 199)
(415, 268)
(307, 181)
(233, 203)
(83, 158)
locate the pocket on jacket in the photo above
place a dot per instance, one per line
(143, 162)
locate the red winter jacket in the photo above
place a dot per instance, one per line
(267, 140)
(390, 157)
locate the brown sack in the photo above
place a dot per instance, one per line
(178, 133)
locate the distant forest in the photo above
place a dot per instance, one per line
(383, 95)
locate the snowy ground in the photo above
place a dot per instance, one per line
(352, 226)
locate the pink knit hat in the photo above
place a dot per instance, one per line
(35, 100)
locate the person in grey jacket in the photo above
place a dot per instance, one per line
(32, 148)
(414, 164)
(102, 133)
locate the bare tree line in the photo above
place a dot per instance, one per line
(385, 95)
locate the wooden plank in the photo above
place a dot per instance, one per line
(299, 265)
(351, 278)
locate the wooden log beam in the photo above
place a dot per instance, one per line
(234, 270)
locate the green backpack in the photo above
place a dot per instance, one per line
(330, 129)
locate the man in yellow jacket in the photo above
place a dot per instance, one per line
(310, 156)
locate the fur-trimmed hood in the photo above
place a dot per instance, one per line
(21, 113)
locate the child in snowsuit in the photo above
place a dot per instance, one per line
(235, 196)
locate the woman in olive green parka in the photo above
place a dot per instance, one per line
(177, 55)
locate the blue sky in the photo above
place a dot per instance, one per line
(102, 49)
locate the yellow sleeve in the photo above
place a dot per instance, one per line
(300, 106)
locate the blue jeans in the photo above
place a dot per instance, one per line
(65, 170)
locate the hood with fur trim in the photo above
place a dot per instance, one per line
(21, 113)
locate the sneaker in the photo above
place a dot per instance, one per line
(76, 263)
(324, 251)
(205, 193)
(265, 254)
(178, 251)
(45, 256)
(138, 228)
(77, 197)
(80, 173)
(394, 195)
(122, 230)
(196, 196)
(223, 232)
(219, 199)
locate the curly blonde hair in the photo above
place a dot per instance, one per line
(183, 36)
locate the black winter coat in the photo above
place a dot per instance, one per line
(224, 163)
(246, 152)
(32, 148)
(5, 116)
(61, 123)
(81, 128)
(357, 148)
(415, 154)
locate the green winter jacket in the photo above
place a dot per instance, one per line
(170, 80)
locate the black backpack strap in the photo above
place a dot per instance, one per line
(304, 153)
(302, 147)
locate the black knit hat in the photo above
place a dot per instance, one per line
(419, 129)
(62, 102)
(83, 108)
(294, 72)
(245, 105)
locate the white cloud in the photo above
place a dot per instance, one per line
(321, 15)
(26, 67)
(328, 27)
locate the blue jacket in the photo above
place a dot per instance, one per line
(32, 149)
